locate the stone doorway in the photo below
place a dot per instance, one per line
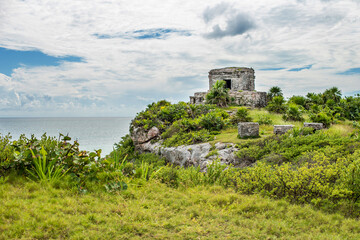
(227, 83)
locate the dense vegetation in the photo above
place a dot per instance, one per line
(142, 195)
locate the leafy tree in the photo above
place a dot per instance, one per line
(332, 94)
(218, 95)
(274, 92)
(299, 100)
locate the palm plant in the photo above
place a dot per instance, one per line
(218, 94)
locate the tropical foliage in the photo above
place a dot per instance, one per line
(218, 94)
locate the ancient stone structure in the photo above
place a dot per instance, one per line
(315, 126)
(248, 129)
(282, 129)
(241, 85)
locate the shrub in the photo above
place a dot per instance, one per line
(168, 175)
(312, 182)
(241, 115)
(265, 120)
(299, 100)
(293, 113)
(321, 117)
(214, 121)
(188, 138)
(277, 105)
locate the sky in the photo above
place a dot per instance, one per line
(112, 58)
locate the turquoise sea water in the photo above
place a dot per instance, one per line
(92, 133)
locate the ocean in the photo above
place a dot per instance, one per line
(92, 133)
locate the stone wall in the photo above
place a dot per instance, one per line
(241, 78)
(243, 98)
(242, 90)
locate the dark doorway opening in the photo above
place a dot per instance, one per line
(228, 83)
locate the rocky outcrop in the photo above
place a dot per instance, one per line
(140, 136)
(194, 155)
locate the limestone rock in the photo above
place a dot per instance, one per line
(315, 126)
(153, 133)
(282, 129)
(248, 129)
(140, 136)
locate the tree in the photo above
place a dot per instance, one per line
(218, 94)
(274, 92)
(332, 94)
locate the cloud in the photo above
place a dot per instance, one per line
(135, 51)
(212, 12)
(237, 25)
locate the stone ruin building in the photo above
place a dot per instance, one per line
(241, 85)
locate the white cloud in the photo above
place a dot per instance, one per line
(118, 74)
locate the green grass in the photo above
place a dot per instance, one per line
(230, 135)
(153, 211)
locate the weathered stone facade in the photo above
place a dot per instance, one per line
(237, 79)
(241, 85)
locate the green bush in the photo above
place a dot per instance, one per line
(321, 117)
(241, 115)
(264, 120)
(214, 121)
(188, 138)
(293, 113)
(313, 182)
(168, 175)
(299, 100)
(277, 105)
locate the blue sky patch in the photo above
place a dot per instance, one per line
(155, 33)
(300, 69)
(11, 59)
(271, 69)
(351, 71)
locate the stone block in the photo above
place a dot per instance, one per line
(248, 129)
(282, 129)
(315, 126)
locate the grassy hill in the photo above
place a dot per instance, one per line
(300, 185)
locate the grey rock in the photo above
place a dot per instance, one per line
(315, 126)
(220, 145)
(248, 129)
(153, 133)
(140, 136)
(282, 129)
